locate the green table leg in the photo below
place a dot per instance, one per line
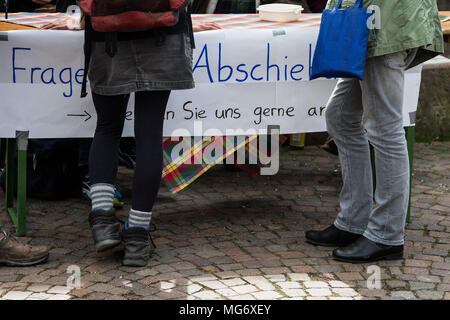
(18, 215)
(10, 169)
(410, 138)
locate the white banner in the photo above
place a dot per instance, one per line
(245, 79)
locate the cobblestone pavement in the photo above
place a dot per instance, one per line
(229, 236)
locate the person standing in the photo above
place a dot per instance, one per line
(360, 112)
(150, 64)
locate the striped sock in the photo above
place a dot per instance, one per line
(139, 219)
(102, 196)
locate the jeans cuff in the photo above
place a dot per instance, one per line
(344, 227)
(376, 239)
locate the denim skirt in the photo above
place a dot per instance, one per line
(142, 65)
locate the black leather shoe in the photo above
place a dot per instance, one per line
(331, 237)
(105, 229)
(137, 248)
(364, 250)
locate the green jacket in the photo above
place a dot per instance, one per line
(405, 24)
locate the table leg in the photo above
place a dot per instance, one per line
(22, 146)
(10, 169)
(19, 215)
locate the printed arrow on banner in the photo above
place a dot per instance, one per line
(81, 115)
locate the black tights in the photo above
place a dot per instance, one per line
(149, 112)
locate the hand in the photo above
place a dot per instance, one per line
(42, 1)
(198, 26)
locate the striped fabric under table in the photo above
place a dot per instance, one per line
(228, 21)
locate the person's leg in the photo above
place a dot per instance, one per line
(103, 160)
(344, 122)
(103, 156)
(148, 126)
(382, 90)
(148, 129)
(382, 94)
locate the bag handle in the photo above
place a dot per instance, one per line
(358, 4)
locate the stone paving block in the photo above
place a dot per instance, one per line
(315, 284)
(226, 292)
(39, 296)
(407, 295)
(244, 289)
(316, 298)
(275, 277)
(38, 287)
(434, 279)
(319, 292)
(59, 297)
(213, 284)
(396, 284)
(227, 274)
(59, 290)
(294, 292)
(289, 285)
(345, 292)
(243, 297)
(233, 282)
(192, 288)
(266, 295)
(101, 287)
(428, 294)
(207, 295)
(17, 295)
(436, 252)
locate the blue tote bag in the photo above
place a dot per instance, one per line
(342, 44)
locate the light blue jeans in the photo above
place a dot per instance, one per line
(366, 111)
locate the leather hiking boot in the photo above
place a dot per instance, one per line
(136, 247)
(331, 237)
(364, 250)
(105, 229)
(15, 253)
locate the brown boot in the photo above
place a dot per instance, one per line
(330, 146)
(15, 253)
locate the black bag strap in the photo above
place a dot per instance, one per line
(189, 25)
(87, 52)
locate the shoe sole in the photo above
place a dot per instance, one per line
(106, 245)
(134, 263)
(326, 244)
(394, 256)
(24, 263)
